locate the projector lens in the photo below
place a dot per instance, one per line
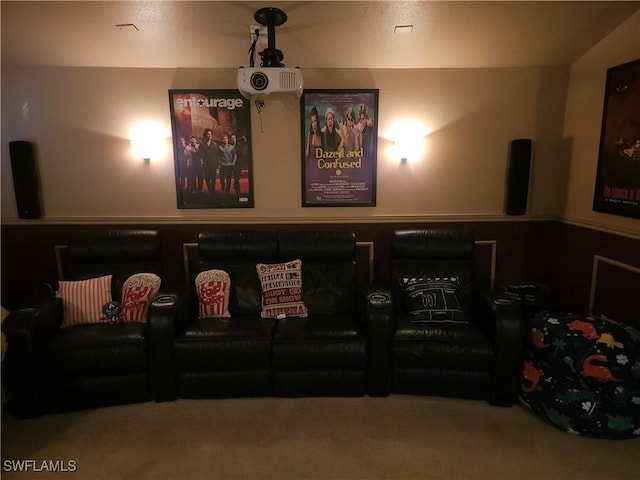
(259, 81)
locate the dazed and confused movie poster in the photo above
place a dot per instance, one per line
(339, 147)
(618, 179)
(212, 148)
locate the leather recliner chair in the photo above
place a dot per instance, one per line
(325, 353)
(53, 368)
(227, 357)
(446, 337)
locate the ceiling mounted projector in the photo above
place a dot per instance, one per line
(252, 81)
(271, 76)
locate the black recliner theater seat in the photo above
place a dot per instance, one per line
(325, 353)
(227, 357)
(50, 367)
(447, 337)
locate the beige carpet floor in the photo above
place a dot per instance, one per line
(399, 437)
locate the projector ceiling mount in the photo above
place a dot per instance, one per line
(271, 76)
(271, 17)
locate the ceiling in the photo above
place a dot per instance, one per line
(317, 34)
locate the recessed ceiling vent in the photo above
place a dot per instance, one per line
(128, 27)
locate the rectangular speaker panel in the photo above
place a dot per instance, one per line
(26, 182)
(518, 176)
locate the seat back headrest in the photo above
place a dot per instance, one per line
(238, 245)
(332, 246)
(117, 252)
(433, 244)
(115, 246)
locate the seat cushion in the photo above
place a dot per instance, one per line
(463, 332)
(318, 327)
(237, 326)
(97, 350)
(440, 345)
(319, 342)
(219, 344)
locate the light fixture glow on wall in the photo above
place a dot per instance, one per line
(148, 141)
(409, 140)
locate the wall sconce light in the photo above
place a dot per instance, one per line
(403, 148)
(148, 141)
(408, 140)
(408, 146)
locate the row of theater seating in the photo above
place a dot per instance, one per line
(432, 331)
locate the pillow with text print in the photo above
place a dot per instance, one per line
(282, 289)
(432, 299)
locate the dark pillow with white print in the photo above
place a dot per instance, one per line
(433, 299)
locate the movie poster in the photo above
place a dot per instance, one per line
(618, 179)
(212, 148)
(339, 147)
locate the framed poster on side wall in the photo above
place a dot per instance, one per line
(212, 148)
(618, 179)
(339, 147)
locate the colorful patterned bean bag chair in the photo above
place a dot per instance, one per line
(583, 374)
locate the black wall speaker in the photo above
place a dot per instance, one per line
(518, 176)
(26, 182)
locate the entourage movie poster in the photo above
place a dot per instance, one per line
(212, 148)
(618, 179)
(339, 147)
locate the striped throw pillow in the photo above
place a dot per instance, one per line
(82, 300)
